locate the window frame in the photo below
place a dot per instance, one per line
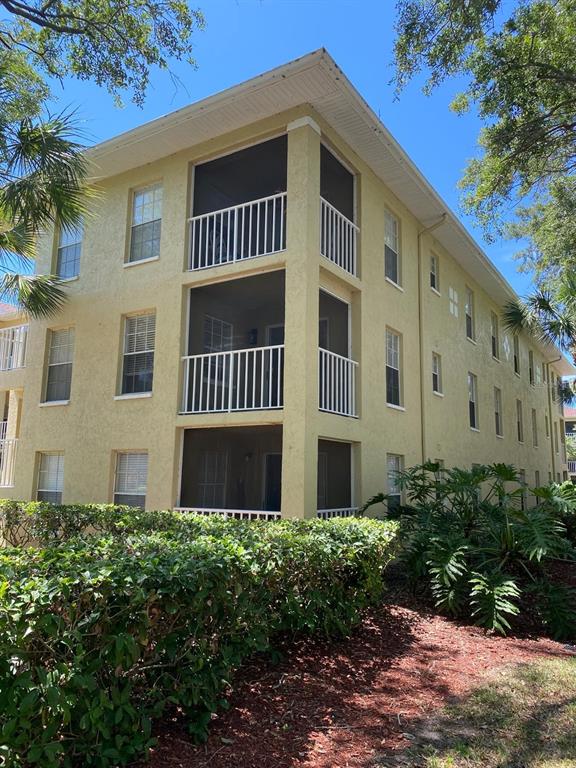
(437, 386)
(390, 217)
(531, 376)
(473, 412)
(398, 492)
(128, 471)
(469, 315)
(535, 436)
(124, 356)
(75, 244)
(152, 187)
(59, 477)
(435, 272)
(516, 354)
(495, 335)
(498, 420)
(51, 366)
(519, 420)
(390, 332)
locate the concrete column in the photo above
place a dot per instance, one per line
(300, 434)
(14, 404)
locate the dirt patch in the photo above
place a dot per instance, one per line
(342, 704)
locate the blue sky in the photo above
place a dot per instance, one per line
(243, 38)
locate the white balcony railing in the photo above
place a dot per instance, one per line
(3, 429)
(236, 514)
(242, 380)
(572, 467)
(13, 347)
(257, 228)
(337, 384)
(327, 514)
(338, 238)
(7, 462)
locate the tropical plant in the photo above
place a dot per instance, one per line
(470, 540)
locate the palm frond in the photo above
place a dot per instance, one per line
(40, 296)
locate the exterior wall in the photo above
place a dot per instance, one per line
(96, 423)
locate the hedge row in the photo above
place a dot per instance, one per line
(101, 636)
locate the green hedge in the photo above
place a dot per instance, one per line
(101, 636)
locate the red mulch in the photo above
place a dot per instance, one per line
(342, 704)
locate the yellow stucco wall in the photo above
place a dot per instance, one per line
(95, 424)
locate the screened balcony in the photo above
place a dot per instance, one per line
(335, 479)
(236, 472)
(239, 209)
(235, 359)
(336, 370)
(338, 232)
(13, 347)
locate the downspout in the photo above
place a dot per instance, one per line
(425, 231)
(550, 419)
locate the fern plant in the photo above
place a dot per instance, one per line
(470, 540)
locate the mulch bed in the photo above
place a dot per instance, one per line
(346, 704)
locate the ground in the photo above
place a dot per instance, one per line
(357, 703)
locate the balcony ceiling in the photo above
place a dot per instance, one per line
(314, 79)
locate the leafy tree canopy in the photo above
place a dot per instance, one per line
(520, 69)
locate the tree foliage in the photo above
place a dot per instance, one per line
(42, 167)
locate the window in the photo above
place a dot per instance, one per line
(393, 353)
(453, 301)
(547, 425)
(146, 224)
(69, 250)
(498, 411)
(556, 446)
(50, 477)
(537, 479)
(391, 248)
(534, 428)
(516, 355)
(217, 334)
(495, 334)
(393, 469)
(436, 373)
(434, 272)
(138, 364)
(519, 421)
(59, 373)
(531, 367)
(473, 400)
(212, 480)
(131, 479)
(469, 312)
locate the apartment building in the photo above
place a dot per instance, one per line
(270, 311)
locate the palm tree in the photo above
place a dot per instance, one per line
(42, 175)
(550, 319)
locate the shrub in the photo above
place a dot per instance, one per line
(470, 540)
(100, 636)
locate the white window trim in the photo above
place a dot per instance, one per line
(136, 263)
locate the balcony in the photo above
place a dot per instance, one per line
(13, 347)
(338, 238)
(239, 209)
(334, 480)
(235, 472)
(572, 467)
(235, 359)
(8, 450)
(337, 372)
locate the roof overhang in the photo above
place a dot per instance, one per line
(314, 79)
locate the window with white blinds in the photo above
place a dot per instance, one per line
(131, 479)
(59, 372)
(69, 251)
(394, 464)
(138, 358)
(50, 477)
(392, 268)
(436, 373)
(393, 359)
(212, 479)
(146, 223)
